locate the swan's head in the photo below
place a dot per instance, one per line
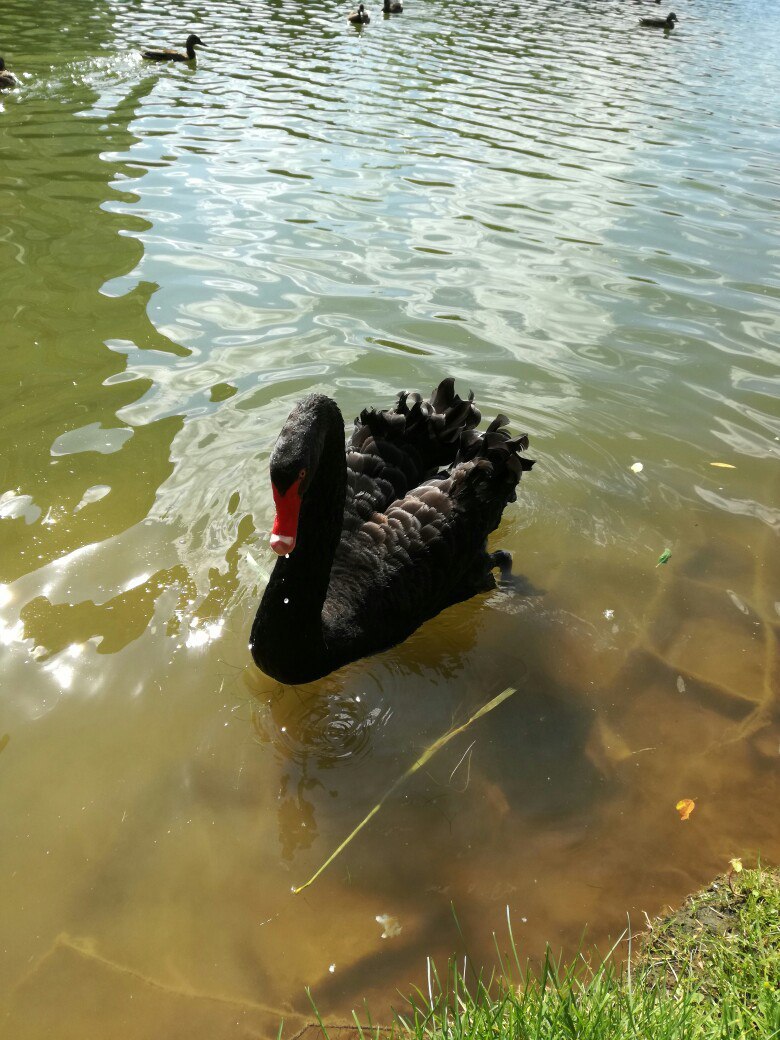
(671, 18)
(290, 467)
(294, 462)
(193, 40)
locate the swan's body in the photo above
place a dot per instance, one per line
(193, 41)
(7, 79)
(659, 23)
(383, 538)
(393, 7)
(359, 17)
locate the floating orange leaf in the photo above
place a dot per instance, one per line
(685, 807)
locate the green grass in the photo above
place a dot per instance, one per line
(723, 946)
(709, 971)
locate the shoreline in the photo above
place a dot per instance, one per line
(709, 968)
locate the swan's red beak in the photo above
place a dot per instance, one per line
(285, 529)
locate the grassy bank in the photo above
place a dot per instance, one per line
(709, 970)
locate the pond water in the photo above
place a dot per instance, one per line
(577, 219)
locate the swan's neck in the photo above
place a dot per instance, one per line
(288, 640)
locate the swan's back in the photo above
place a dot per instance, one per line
(392, 451)
(425, 489)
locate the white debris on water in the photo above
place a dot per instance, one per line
(391, 925)
(737, 601)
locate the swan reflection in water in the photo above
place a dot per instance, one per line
(344, 741)
(457, 831)
(313, 731)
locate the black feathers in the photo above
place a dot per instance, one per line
(424, 488)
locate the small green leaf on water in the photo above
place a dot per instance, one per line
(665, 556)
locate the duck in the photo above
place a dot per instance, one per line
(375, 540)
(193, 41)
(393, 7)
(7, 79)
(659, 23)
(359, 17)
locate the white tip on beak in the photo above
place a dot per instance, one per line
(282, 544)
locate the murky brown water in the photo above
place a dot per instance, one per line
(579, 221)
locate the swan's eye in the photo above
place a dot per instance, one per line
(302, 474)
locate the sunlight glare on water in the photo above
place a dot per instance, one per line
(578, 220)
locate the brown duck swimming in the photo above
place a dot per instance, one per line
(393, 7)
(375, 541)
(7, 79)
(659, 23)
(359, 17)
(192, 42)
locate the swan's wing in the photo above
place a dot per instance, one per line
(395, 450)
(425, 548)
(385, 562)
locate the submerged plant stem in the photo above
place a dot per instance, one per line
(426, 756)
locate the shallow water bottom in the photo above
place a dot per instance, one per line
(170, 907)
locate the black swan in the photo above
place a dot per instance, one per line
(373, 543)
